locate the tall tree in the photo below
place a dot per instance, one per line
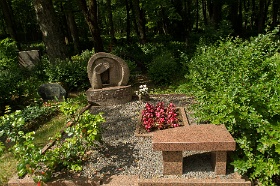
(111, 23)
(128, 25)
(236, 16)
(52, 35)
(9, 20)
(90, 13)
(70, 17)
(263, 9)
(138, 12)
(215, 11)
(275, 9)
(204, 12)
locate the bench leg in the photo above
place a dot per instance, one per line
(172, 162)
(219, 162)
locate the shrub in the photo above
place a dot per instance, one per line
(163, 69)
(18, 85)
(237, 83)
(133, 55)
(71, 73)
(8, 54)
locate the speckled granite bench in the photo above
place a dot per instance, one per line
(206, 137)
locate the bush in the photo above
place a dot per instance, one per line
(71, 73)
(237, 83)
(163, 69)
(131, 54)
(18, 86)
(8, 54)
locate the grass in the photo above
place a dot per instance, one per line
(49, 129)
(8, 164)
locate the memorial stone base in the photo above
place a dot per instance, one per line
(109, 95)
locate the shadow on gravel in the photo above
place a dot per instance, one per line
(197, 163)
(116, 159)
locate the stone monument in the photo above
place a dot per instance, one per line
(108, 76)
(29, 59)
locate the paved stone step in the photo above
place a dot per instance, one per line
(193, 182)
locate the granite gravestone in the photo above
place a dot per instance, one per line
(108, 76)
(29, 59)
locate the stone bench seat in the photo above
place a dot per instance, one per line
(206, 137)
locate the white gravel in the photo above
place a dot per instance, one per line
(124, 154)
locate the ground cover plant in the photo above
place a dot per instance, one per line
(236, 83)
(71, 149)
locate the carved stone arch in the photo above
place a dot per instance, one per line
(102, 66)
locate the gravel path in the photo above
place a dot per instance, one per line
(124, 154)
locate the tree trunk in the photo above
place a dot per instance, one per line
(275, 9)
(263, 8)
(73, 30)
(9, 20)
(52, 35)
(210, 8)
(204, 5)
(139, 20)
(261, 15)
(90, 14)
(111, 23)
(197, 15)
(127, 6)
(234, 16)
(217, 12)
(253, 16)
(246, 10)
(164, 21)
(240, 19)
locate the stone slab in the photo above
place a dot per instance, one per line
(206, 137)
(193, 182)
(133, 180)
(108, 180)
(110, 95)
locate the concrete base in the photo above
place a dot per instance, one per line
(109, 95)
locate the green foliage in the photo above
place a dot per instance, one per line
(17, 85)
(23, 120)
(163, 69)
(8, 54)
(70, 150)
(237, 83)
(2, 148)
(71, 73)
(133, 54)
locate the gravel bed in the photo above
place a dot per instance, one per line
(124, 154)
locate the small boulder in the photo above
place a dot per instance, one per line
(52, 91)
